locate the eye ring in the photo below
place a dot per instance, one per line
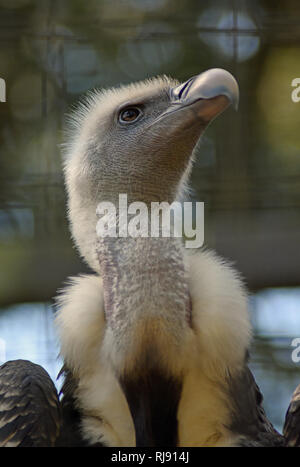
(129, 115)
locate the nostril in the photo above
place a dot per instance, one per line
(179, 92)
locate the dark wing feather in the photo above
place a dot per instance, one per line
(29, 405)
(248, 418)
(291, 429)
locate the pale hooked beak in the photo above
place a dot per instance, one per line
(202, 98)
(208, 85)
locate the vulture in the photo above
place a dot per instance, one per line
(155, 341)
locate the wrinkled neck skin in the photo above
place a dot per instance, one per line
(146, 298)
(148, 315)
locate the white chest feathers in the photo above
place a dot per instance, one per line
(217, 342)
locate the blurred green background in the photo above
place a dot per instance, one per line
(247, 170)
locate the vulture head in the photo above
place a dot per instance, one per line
(139, 140)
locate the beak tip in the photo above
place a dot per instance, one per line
(223, 82)
(218, 81)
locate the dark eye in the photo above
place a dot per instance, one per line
(129, 115)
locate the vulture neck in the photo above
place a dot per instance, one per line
(148, 309)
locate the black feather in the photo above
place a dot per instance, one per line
(291, 429)
(248, 418)
(29, 407)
